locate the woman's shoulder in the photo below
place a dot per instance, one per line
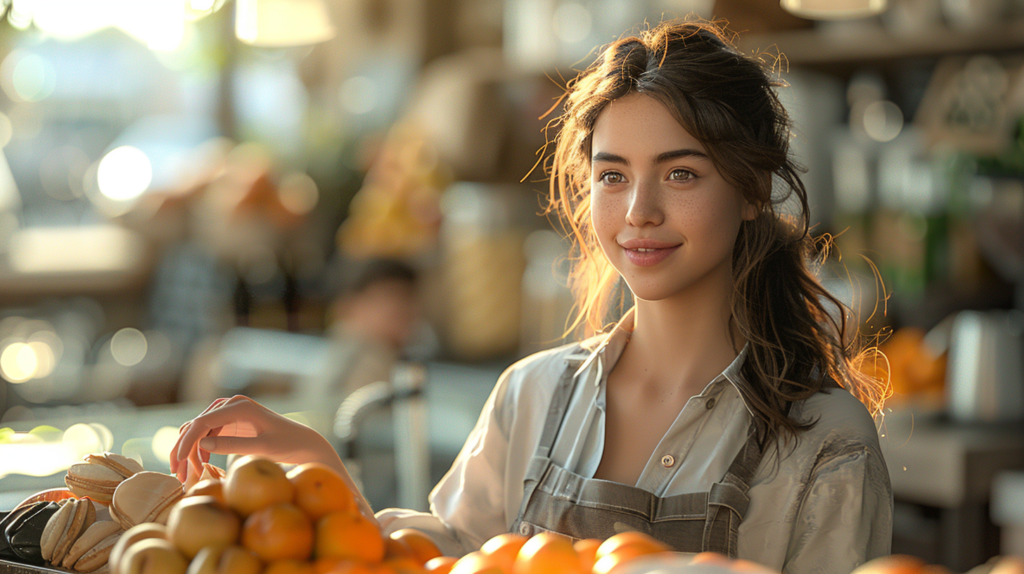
(842, 427)
(531, 380)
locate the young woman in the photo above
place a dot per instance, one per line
(721, 412)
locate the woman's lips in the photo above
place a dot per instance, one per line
(649, 256)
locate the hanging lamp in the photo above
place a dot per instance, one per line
(282, 23)
(834, 9)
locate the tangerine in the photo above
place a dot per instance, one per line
(348, 536)
(627, 539)
(440, 565)
(609, 562)
(476, 563)
(278, 532)
(423, 548)
(587, 551)
(209, 487)
(503, 549)
(289, 567)
(547, 553)
(319, 490)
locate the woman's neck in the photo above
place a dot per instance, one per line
(685, 339)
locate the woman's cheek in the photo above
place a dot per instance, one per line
(603, 218)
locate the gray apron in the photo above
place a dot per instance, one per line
(558, 500)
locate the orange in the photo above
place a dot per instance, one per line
(278, 532)
(587, 551)
(624, 539)
(254, 483)
(895, 564)
(547, 553)
(503, 549)
(711, 558)
(341, 566)
(440, 565)
(320, 491)
(423, 548)
(289, 567)
(404, 565)
(475, 563)
(609, 562)
(397, 549)
(348, 536)
(210, 487)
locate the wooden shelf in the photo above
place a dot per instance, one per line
(871, 42)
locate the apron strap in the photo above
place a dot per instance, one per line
(728, 500)
(559, 404)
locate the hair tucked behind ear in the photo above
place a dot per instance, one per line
(802, 339)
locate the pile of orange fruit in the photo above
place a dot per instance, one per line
(260, 519)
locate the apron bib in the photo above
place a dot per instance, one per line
(558, 500)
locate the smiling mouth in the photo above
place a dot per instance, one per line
(649, 256)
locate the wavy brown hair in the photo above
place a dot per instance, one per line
(728, 102)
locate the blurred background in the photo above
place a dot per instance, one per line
(332, 206)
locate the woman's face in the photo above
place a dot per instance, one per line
(664, 216)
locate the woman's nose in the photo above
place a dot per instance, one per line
(644, 205)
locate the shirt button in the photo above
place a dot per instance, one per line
(711, 403)
(667, 461)
(524, 529)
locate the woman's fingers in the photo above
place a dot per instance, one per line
(201, 426)
(233, 445)
(184, 428)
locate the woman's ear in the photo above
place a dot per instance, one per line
(749, 211)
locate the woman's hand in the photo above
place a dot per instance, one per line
(240, 425)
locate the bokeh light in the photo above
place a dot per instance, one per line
(359, 95)
(883, 121)
(572, 22)
(163, 442)
(298, 193)
(18, 362)
(128, 347)
(6, 129)
(27, 77)
(124, 174)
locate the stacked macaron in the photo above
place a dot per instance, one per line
(145, 497)
(99, 476)
(74, 539)
(21, 531)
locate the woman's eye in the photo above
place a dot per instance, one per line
(612, 177)
(681, 175)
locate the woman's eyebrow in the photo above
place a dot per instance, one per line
(676, 154)
(609, 157)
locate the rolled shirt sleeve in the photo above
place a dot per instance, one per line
(845, 513)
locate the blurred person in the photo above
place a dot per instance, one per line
(373, 319)
(724, 411)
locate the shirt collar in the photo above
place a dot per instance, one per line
(608, 348)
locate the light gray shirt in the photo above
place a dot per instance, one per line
(824, 506)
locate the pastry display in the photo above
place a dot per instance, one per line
(100, 475)
(145, 497)
(93, 547)
(130, 537)
(64, 527)
(22, 529)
